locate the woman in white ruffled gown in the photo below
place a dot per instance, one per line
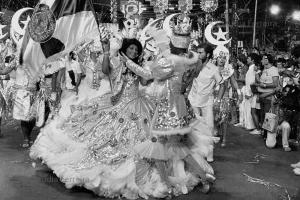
(94, 147)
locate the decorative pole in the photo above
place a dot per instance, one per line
(227, 19)
(254, 25)
(234, 28)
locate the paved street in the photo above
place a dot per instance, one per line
(245, 155)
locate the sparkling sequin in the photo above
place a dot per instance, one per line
(121, 120)
(172, 114)
(111, 132)
(134, 117)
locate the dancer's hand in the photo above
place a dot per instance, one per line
(123, 57)
(104, 38)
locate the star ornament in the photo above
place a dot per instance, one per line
(220, 34)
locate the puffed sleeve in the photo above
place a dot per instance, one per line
(163, 69)
(138, 70)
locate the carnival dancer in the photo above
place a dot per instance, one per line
(6, 66)
(94, 148)
(21, 91)
(222, 103)
(221, 59)
(7, 60)
(171, 124)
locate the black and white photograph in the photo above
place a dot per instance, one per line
(150, 99)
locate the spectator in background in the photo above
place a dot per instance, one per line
(242, 67)
(288, 111)
(296, 53)
(251, 94)
(240, 77)
(269, 82)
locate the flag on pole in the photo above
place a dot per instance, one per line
(56, 28)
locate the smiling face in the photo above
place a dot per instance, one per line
(132, 51)
(221, 60)
(221, 55)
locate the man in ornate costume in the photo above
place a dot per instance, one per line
(171, 124)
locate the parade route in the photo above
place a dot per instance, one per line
(245, 169)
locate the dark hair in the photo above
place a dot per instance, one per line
(296, 51)
(127, 42)
(270, 58)
(255, 57)
(207, 48)
(176, 50)
(280, 60)
(242, 58)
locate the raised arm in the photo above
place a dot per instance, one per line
(138, 70)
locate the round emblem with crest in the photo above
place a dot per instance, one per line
(42, 24)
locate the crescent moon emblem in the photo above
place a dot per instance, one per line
(15, 20)
(210, 38)
(166, 25)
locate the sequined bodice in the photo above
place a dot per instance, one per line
(131, 86)
(174, 83)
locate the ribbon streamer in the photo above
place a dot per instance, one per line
(256, 158)
(285, 196)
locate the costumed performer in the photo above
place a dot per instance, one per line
(94, 147)
(171, 127)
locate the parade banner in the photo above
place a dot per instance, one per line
(55, 28)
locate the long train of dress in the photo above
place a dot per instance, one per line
(94, 147)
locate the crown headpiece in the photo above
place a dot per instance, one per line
(183, 25)
(180, 31)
